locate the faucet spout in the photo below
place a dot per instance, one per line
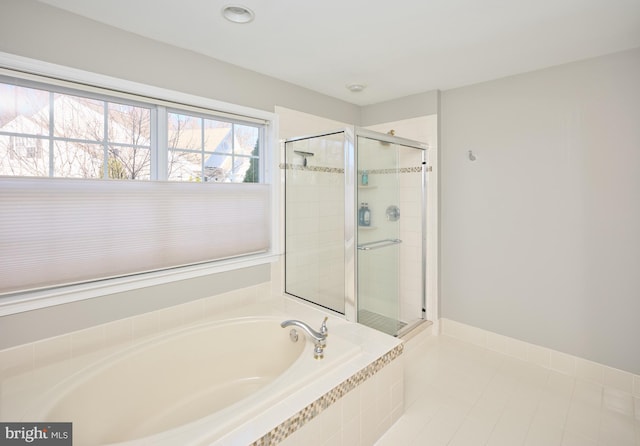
(319, 337)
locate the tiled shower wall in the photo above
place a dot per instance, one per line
(315, 196)
(315, 221)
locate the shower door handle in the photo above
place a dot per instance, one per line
(379, 244)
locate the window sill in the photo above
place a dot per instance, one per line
(34, 300)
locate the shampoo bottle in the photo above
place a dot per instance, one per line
(364, 215)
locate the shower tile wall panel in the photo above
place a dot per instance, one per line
(411, 236)
(315, 224)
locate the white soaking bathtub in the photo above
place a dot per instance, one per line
(189, 386)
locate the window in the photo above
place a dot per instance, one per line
(44, 132)
(204, 149)
(69, 215)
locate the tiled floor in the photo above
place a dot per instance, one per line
(458, 394)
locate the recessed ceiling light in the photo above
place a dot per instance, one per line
(237, 14)
(356, 88)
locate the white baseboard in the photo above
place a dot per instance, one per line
(545, 357)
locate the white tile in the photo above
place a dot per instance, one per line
(552, 410)
(590, 371)
(497, 343)
(486, 414)
(471, 433)
(562, 363)
(119, 333)
(439, 431)
(538, 355)
(169, 318)
(334, 440)
(477, 336)
(351, 432)
(587, 393)
(397, 395)
(453, 411)
(618, 401)
(405, 430)
(584, 420)
(616, 429)
(87, 341)
(192, 311)
(368, 426)
(559, 402)
(560, 384)
(542, 434)
(330, 421)
(636, 385)
(517, 349)
(618, 379)
(575, 439)
(52, 350)
(309, 434)
(145, 325)
(511, 430)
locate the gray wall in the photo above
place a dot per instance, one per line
(422, 104)
(541, 234)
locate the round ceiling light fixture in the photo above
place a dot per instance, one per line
(356, 88)
(237, 14)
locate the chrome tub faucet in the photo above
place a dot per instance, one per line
(319, 337)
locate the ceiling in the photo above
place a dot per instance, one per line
(395, 48)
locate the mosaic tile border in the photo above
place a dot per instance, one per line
(311, 168)
(295, 422)
(416, 169)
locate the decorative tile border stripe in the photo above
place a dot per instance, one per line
(288, 166)
(417, 169)
(311, 168)
(295, 422)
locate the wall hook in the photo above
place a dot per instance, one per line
(472, 157)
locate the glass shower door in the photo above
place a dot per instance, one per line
(315, 219)
(390, 279)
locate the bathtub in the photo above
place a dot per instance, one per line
(188, 386)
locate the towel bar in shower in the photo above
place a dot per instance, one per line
(379, 244)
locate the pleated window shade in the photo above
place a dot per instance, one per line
(56, 231)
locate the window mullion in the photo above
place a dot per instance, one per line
(51, 132)
(159, 144)
(105, 141)
(233, 150)
(202, 160)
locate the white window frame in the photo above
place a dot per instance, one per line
(18, 66)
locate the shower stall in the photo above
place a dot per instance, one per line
(355, 226)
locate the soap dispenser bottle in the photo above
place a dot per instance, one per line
(364, 215)
(365, 178)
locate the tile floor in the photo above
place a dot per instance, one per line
(458, 394)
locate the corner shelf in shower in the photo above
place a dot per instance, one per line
(361, 187)
(367, 228)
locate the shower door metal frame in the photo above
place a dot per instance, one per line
(350, 213)
(382, 137)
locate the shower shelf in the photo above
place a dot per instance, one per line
(360, 186)
(367, 228)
